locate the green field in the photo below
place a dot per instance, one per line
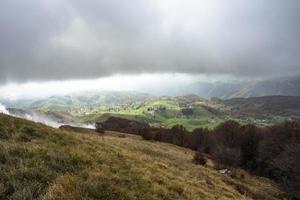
(165, 112)
(168, 111)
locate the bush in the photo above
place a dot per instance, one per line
(99, 127)
(227, 156)
(199, 158)
(157, 134)
(147, 135)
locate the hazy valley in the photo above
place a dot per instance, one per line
(149, 100)
(190, 111)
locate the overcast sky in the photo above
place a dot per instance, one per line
(54, 40)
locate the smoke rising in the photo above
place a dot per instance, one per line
(41, 118)
(3, 109)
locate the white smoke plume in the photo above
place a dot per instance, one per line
(42, 118)
(3, 109)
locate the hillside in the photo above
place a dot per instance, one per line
(190, 111)
(265, 105)
(38, 162)
(264, 111)
(286, 86)
(98, 106)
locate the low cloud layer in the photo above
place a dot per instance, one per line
(43, 40)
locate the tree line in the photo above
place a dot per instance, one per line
(272, 151)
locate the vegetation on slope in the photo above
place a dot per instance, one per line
(38, 162)
(270, 151)
(190, 111)
(164, 112)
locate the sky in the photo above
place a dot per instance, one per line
(55, 41)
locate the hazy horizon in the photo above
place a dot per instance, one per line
(57, 46)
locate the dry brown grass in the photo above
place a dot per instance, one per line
(60, 164)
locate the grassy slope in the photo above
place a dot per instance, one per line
(128, 105)
(41, 162)
(167, 118)
(94, 106)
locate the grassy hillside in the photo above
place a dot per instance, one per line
(79, 103)
(38, 162)
(264, 111)
(165, 112)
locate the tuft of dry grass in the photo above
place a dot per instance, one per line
(38, 162)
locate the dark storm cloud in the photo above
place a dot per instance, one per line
(61, 39)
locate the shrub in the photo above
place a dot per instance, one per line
(99, 127)
(249, 146)
(227, 156)
(199, 158)
(207, 149)
(157, 134)
(147, 135)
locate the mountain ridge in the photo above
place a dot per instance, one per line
(285, 86)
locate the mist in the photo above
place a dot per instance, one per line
(3, 109)
(156, 84)
(41, 118)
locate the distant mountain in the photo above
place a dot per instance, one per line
(285, 86)
(255, 106)
(79, 101)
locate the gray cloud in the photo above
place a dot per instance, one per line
(74, 39)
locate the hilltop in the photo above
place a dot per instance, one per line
(39, 162)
